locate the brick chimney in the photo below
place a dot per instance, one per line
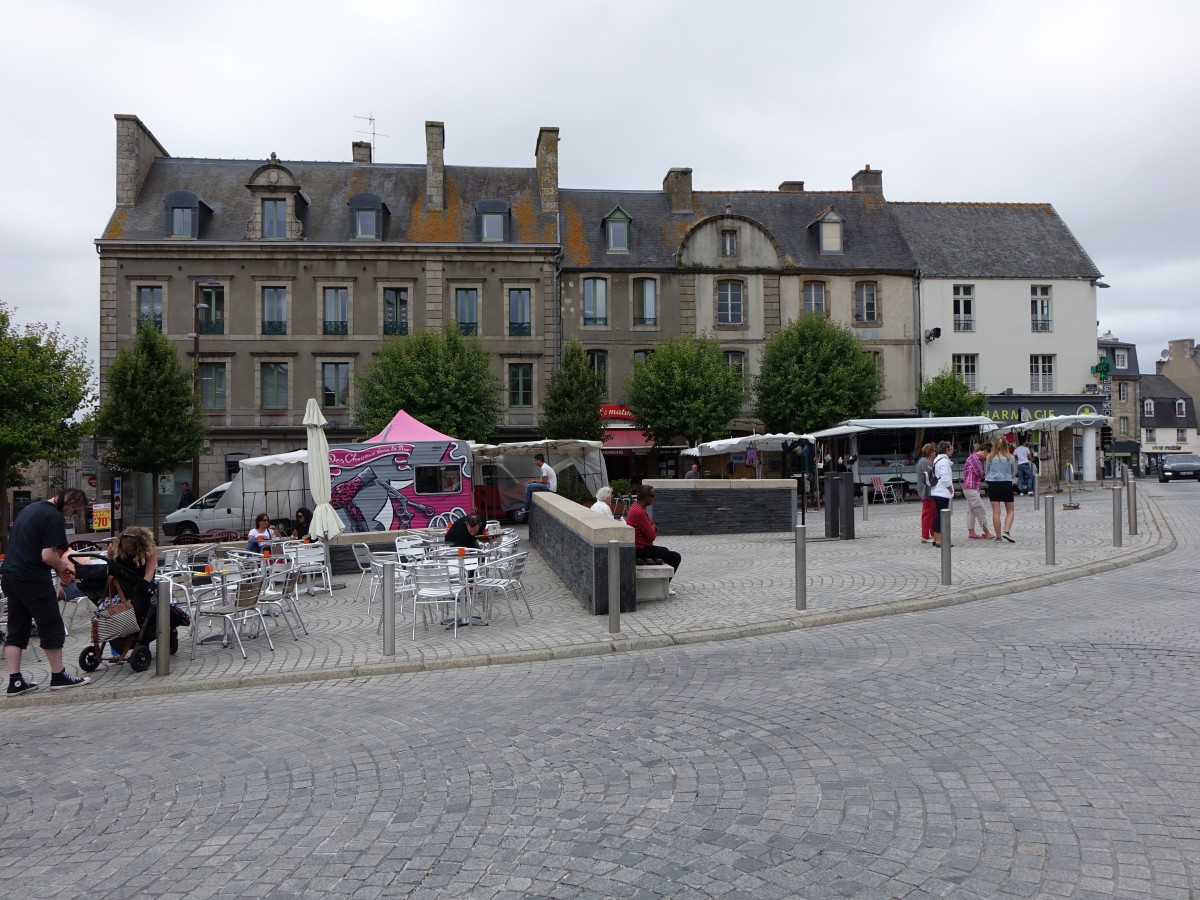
(360, 151)
(546, 153)
(136, 149)
(435, 165)
(791, 187)
(678, 185)
(867, 180)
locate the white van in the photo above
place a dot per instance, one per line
(204, 515)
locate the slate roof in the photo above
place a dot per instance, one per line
(873, 241)
(1164, 392)
(992, 240)
(328, 186)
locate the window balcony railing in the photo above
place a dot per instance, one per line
(155, 320)
(645, 320)
(1043, 385)
(964, 323)
(595, 320)
(468, 329)
(520, 329)
(212, 326)
(395, 328)
(274, 326)
(336, 326)
(1040, 323)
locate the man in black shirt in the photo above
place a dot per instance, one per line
(462, 532)
(36, 547)
(185, 496)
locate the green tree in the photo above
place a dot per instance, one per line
(686, 388)
(946, 394)
(151, 414)
(45, 384)
(441, 378)
(571, 408)
(815, 374)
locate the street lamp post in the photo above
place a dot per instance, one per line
(197, 305)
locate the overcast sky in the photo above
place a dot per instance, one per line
(1089, 105)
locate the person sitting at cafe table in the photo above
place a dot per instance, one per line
(261, 535)
(463, 532)
(302, 523)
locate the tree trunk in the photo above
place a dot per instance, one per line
(154, 504)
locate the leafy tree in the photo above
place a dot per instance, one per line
(571, 408)
(686, 388)
(45, 382)
(441, 378)
(946, 394)
(151, 414)
(815, 374)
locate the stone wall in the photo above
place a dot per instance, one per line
(573, 541)
(728, 506)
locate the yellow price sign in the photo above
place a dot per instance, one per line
(101, 516)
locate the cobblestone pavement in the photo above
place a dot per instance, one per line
(1037, 744)
(728, 586)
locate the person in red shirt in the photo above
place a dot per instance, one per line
(645, 533)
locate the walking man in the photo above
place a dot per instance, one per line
(37, 546)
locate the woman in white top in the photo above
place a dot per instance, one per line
(261, 534)
(942, 491)
(605, 505)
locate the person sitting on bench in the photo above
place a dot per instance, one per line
(645, 533)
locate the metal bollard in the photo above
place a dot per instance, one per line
(162, 622)
(614, 587)
(1049, 531)
(1116, 517)
(389, 608)
(801, 569)
(866, 502)
(1036, 501)
(946, 546)
(1132, 506)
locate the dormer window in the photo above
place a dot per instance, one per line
(492, 221)
(831, 234)
(368, 217)
(274, 218)
(186, 214)
(1148, 408)
(280, 206)
(1180, 409)
(616, 230)
(729, 243)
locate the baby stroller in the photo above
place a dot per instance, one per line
(114, 588)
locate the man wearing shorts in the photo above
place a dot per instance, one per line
(37, 546)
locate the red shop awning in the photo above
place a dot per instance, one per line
(626, 441)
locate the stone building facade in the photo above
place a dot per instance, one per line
(285, 276)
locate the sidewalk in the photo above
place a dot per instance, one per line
(728, 586)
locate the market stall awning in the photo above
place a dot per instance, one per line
(626, 440)
(1058, 423)
(765, 442)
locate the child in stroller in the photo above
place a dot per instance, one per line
(125, 576)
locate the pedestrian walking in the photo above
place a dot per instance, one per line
(943, 488)
(972, 480)
(924, 483)
(1000, 471)
(1024, 466)
(37, 547)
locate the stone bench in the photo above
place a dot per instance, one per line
(653, 581)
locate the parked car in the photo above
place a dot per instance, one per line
(204, 515)
(1179, 465)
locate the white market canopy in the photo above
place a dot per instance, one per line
(586, 456)
(761, 442)
(1059, 423)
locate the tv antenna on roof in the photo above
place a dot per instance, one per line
(370, 118)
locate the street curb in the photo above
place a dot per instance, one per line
(620, 643)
